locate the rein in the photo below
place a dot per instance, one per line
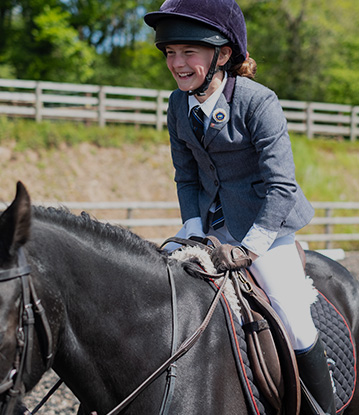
(182, 350)
(13, 384)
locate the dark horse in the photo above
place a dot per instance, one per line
(107, 300)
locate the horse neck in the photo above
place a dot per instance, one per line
(77, 272)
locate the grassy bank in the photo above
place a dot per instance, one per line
(327, 169)
(49, 135)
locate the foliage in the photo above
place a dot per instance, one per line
(305, 49)
(68, 59)
(134, 64)
(46, 47)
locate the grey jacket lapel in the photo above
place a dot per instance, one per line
(220, 117)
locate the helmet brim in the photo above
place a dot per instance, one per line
(179, 30)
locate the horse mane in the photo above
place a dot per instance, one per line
(89, 225)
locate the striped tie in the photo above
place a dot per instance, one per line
(197, 121)
(218, 218)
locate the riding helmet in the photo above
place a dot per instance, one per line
(211, 22)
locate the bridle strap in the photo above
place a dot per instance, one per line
(13, 384)
(12, 273)
(40, 311)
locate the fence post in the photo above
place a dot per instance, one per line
(328, 228)
(101, 106)
(353, 123)
(129, 215)
(309, 111)
(159, 111)
(38, 102)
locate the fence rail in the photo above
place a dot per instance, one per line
(108, 104)
(326, 227)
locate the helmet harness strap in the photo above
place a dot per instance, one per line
(200, 91)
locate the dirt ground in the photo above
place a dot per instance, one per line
(89, 173)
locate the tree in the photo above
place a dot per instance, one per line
(299, 46)
(305, 49)
(45, 46)
(109, 23)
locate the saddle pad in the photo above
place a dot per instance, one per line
(336, 336)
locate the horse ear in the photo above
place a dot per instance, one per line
(15, 222)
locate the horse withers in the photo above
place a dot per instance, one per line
(102, 316)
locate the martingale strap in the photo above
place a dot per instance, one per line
(172, 370)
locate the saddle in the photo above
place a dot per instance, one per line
(270, 353)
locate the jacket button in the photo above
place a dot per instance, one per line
(211, 167)
(216, 182)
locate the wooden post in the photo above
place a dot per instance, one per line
(328, 228)
(38, 102)
(101, 106)
(159, 111)
(353, 123)
(137, 125)
(129, 215)
(310, 121)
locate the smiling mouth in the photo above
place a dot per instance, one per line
(184, 75)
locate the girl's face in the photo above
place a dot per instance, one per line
(189, 65)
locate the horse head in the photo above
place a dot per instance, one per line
(14, 230)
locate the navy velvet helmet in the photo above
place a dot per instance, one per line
(211, 23)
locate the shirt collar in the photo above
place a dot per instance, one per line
(208, 105)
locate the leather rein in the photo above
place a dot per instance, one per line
(170, 363)
(12, 385)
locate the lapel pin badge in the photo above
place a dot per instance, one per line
(220, 115)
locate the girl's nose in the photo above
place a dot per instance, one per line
(178, 61)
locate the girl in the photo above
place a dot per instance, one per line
(234, 166)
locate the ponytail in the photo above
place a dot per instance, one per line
(247, 69)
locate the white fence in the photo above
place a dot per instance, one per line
(327, 227)
(101, 104)
(107, 104)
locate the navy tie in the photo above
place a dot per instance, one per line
(218, 218)
(197, 121)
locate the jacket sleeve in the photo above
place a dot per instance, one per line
(186, 170)
(269, 135)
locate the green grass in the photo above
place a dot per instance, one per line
(327, 169)
(49, 135)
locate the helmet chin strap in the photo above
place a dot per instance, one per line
(200, 91)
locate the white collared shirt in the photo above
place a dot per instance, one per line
(208, 105)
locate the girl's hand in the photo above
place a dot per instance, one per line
(228, 257)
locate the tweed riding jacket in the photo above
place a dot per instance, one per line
(246, 158)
